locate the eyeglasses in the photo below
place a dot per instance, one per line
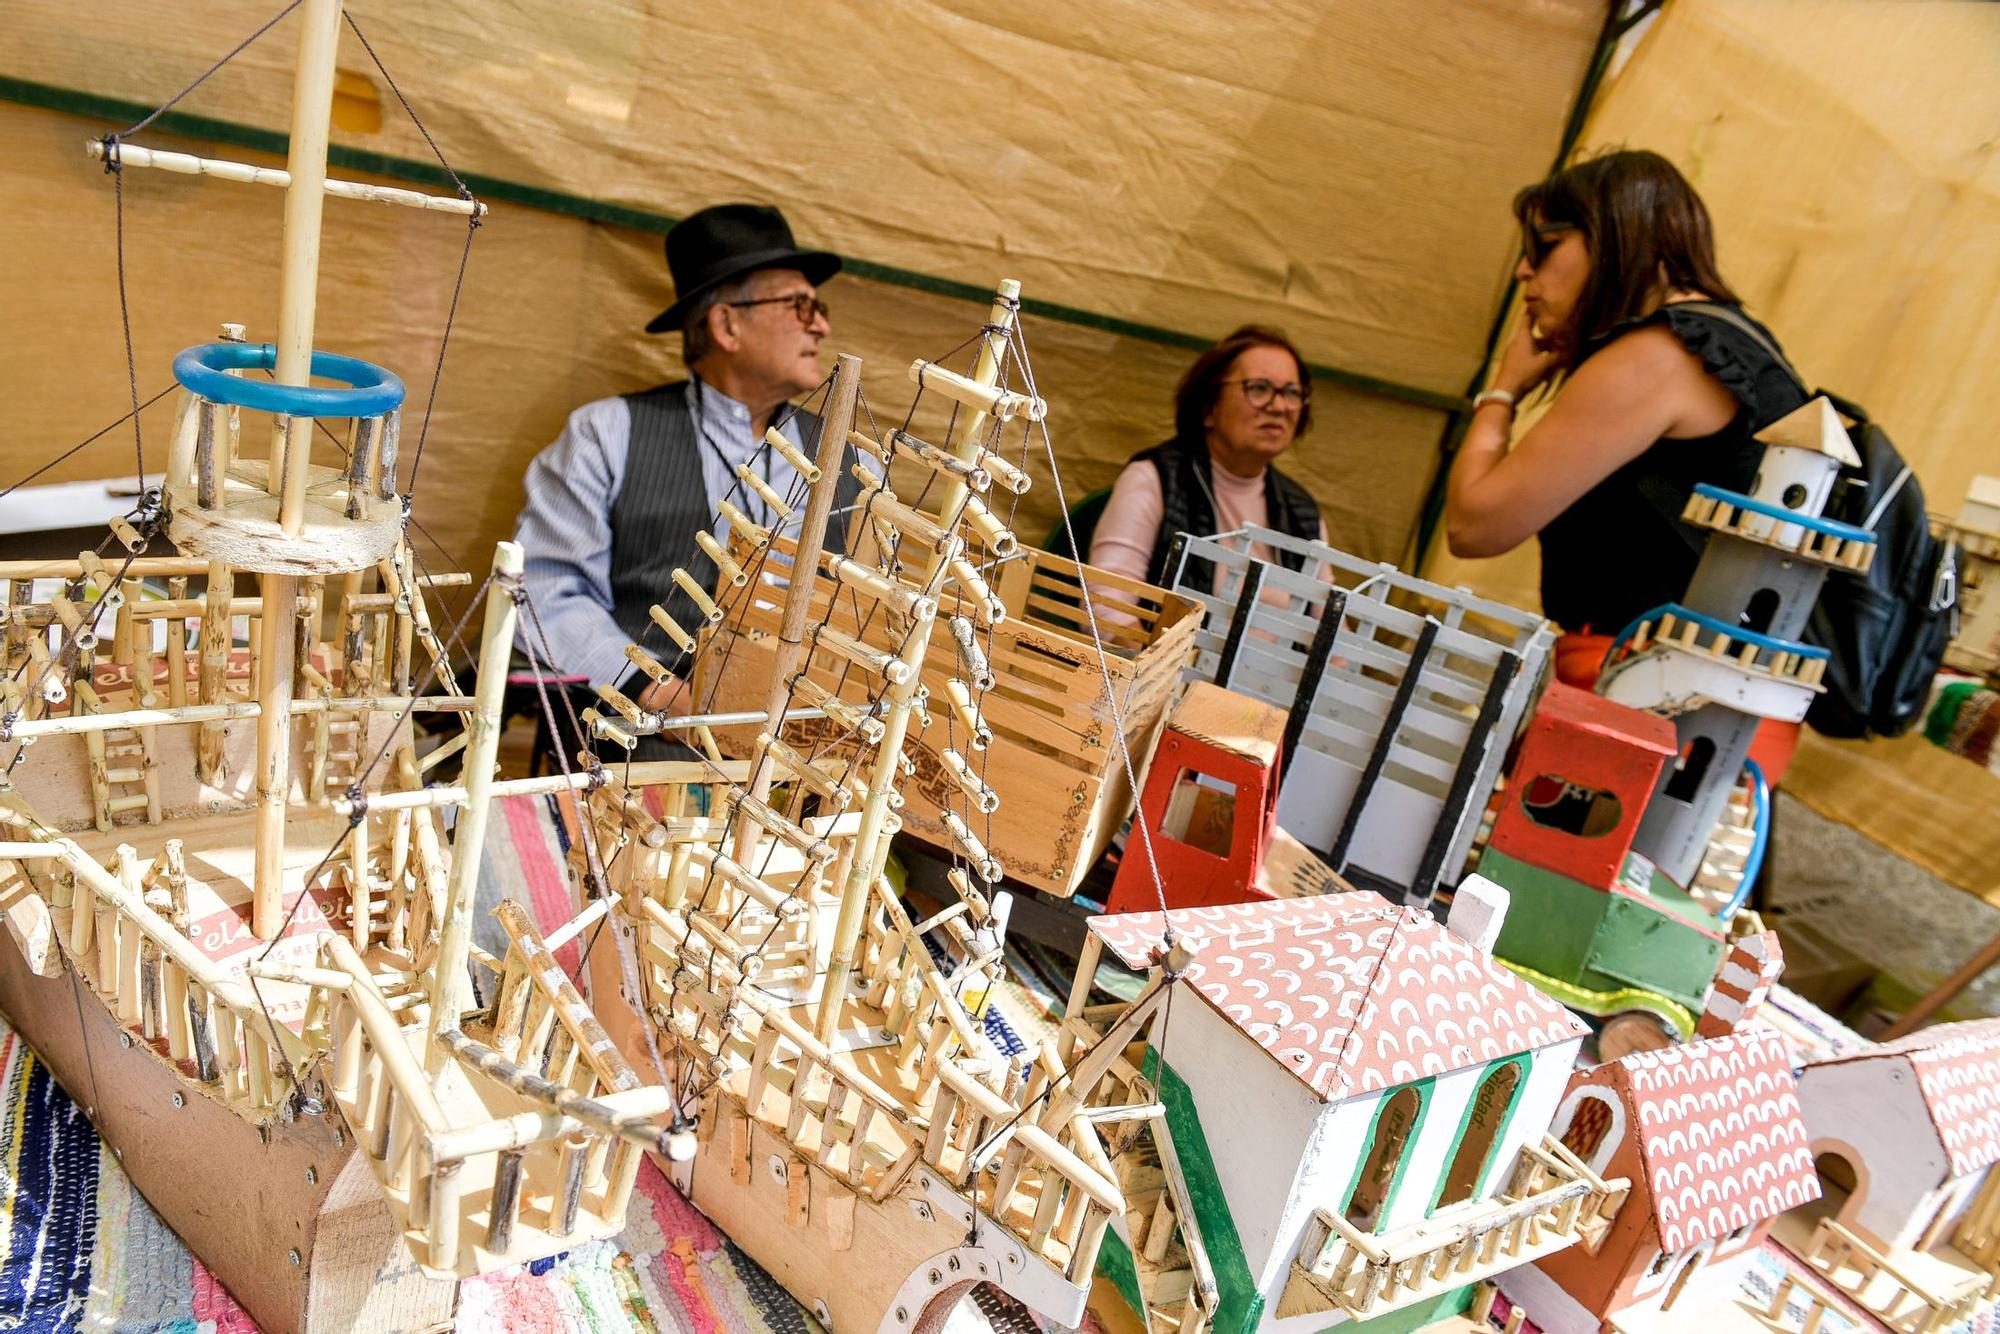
(1290, 397)
(804, 305)
(1540, 239)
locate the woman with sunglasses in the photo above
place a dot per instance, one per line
(1661, 383)
(1239, 406)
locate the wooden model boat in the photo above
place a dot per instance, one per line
(237, 930)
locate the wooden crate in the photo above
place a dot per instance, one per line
(1054, 760)
(1390, 772)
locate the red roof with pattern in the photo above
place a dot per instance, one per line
(1958, 1073)
(1720, 1135)
(1348, 992)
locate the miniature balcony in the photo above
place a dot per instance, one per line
(1553, 1202)
(1807, 537)
(309, 519)
(1683, 631)
(1915, 1293)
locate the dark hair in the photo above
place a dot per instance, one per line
(1202, 385)
(1642, 223)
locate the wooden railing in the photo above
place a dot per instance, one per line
(1887, 1289)
(569, 1156)
(1074, 1190)
(1692, 637)
(1553, 1202)
(154, 978)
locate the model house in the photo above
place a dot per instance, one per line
(1710, 1136)
(1360, 1101)
(1904, 1136)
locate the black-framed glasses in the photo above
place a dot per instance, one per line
(1262, 393)
(804, 305)
(1540, 239)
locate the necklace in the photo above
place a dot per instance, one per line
(750, 501)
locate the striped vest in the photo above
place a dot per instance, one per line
(663, 503)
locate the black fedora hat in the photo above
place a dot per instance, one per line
(728, 241)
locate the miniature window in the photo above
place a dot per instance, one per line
(1593, 1129)
(1395, 1123)
(1761, 610)
(1201, 812)
(1661, 1264)
(1691, 769)
(1491, 1103)
(1570, 807)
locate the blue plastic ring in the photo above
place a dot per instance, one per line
(372, 391)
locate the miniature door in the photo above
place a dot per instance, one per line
(1210, 804)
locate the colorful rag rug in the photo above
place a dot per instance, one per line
(84, 1251)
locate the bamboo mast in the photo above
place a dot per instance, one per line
(312, 110)
(805, 577)
(862, 869)
(449, 985)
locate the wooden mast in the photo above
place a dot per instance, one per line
(862, 870)
(805, 571)
(449, 984)
(291, 441)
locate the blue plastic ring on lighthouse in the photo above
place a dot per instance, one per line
(371, 390)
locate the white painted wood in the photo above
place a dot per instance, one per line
(1669, 681)
(1872, 1112)
(1478, 911)
(1292, 1156)
(1551, 1308)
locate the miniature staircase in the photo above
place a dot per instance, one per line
(334, 758)
(131, 773)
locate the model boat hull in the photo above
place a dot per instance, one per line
(284, 1214)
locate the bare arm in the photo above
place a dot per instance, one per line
(1643, 387)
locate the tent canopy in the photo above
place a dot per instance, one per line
(1155, 174)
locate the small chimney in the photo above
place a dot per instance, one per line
(1753, 964)
(1478, 911)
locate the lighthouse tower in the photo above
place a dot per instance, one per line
(1730, 655)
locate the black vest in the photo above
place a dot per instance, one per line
(663, 503)
(1184, 493)
(1621, 549)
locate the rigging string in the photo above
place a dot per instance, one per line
(73, 449)
(464, 257)
(114, 166)
(358, 802)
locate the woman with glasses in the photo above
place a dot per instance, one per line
(1660, 382)
(1241, 405)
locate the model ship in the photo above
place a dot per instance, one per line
(237, 930)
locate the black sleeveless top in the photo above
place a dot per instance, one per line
(1621, 549)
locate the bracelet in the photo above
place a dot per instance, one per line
(1494, 396)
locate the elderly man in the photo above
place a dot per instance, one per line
(614, 504)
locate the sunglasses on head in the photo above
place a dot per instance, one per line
(1538, 239)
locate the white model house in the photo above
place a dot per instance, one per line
(1367, 1096)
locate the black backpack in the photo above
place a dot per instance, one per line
(1886, 631)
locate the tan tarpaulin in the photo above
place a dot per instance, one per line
(1847, 149)
(1339, 169)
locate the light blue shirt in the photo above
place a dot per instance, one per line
(565, 526)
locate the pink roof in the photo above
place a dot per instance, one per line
(1349, 993)
(1719, 1134)
(1958, 1074)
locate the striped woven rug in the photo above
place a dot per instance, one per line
(84, 1251)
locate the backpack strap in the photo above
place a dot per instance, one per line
(1736, 319)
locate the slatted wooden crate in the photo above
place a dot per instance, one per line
(1053, 761)
(1387, 770)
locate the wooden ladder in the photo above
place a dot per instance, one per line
(124, 769)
